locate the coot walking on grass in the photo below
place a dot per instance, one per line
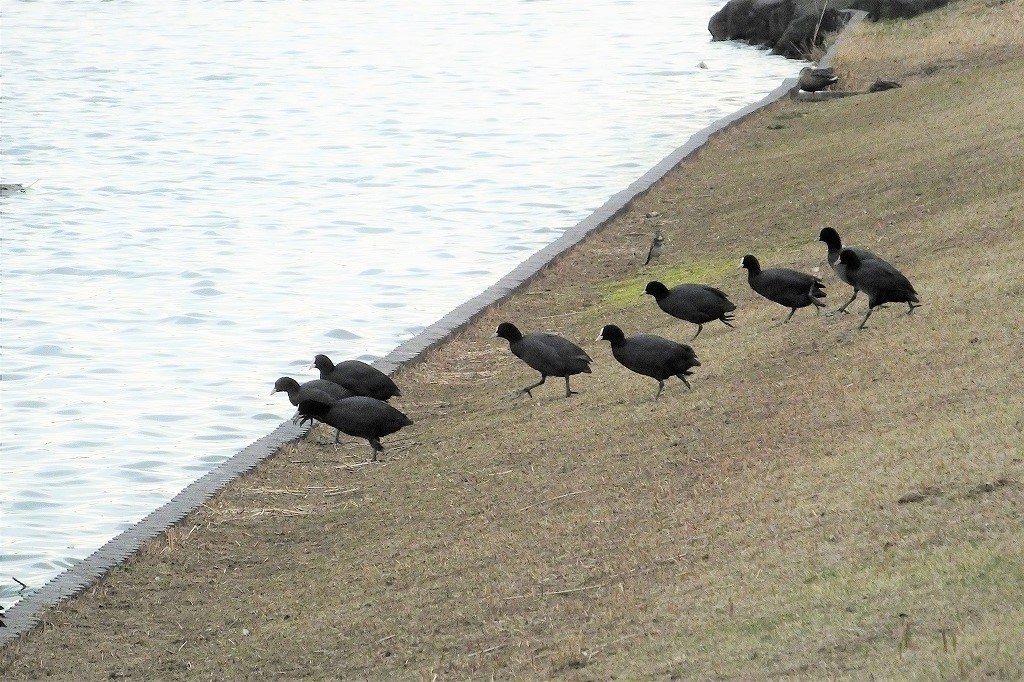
(696, 303)
(549, 354)
(358, 377)
(651, 355)
(786, 287)
(882, 282)
(835, 246)
(357, 416)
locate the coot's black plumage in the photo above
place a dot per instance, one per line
(790, 288)
(882, 282)
(358, 377)
(651, 355)
(696, 303)
(835, 245)
(549, 354)
(358, 416)
(320, 390)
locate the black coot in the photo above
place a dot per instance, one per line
(358, 377)
(696, 303)
(786, 287)
(320, 390)
(358, 416)
(651, 355)
(549, 354)
(835, 245)
(882, 282)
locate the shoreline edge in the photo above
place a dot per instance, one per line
(24, 614)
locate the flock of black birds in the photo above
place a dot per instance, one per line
(660, 358)
(352, 395)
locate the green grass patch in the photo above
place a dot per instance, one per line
(629, 291)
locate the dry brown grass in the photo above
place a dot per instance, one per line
(909, 50)
(750, 528)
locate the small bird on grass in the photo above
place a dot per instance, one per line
(358, 416)
(882, 282)
(549, 354)
(651, 355)
(786, 287)
(657, 247)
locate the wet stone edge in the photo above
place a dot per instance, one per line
(25, 614)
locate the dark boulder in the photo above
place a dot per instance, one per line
(793, 27)
(894, 9)
(807, 30)
(755, 21)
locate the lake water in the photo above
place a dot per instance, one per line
(224, 189)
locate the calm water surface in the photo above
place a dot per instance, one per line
(224, 189)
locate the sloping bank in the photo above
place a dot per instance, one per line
(23, 616)
(751, 527)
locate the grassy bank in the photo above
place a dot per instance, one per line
(825, 502)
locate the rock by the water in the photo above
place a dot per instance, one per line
(792, 27)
